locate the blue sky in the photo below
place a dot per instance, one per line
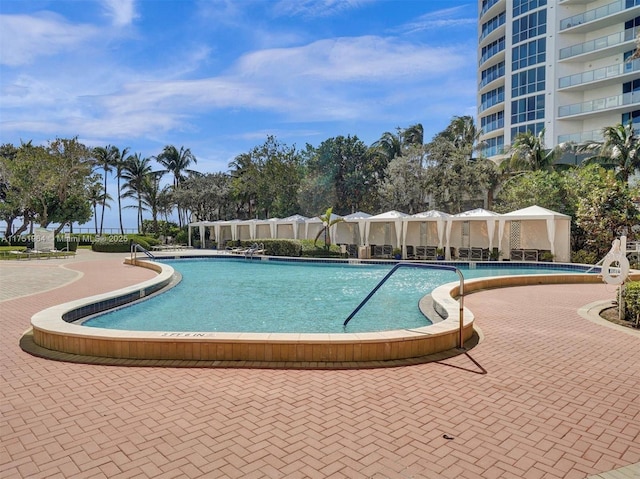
(219, 76)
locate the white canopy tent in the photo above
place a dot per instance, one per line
(266, 229)
(538, 229)
(424, 229)
(352, 229)
(291, 227)
(201, 225)
(385, 228)
(314, 225)
(471, 229)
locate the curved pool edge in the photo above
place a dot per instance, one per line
(52, 332)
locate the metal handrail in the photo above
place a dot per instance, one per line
(136, 247)
(417, 265)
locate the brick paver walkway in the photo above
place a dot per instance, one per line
(560, 398)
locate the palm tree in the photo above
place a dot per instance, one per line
(388, 146)
(135, 174)
(619, 150)
(105, 158)
(177, 162)
(327, 223)
(96, 196)
(528, 153)
(151, 196)
(413, 135)
(119, 163)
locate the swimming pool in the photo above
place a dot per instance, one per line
(58, 331)
(291, 297)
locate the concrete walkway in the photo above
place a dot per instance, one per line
(547, 394)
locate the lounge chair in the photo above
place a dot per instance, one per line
(431, 253)
(464, 253)
(476, 254)
(387, 251)
(411, 252)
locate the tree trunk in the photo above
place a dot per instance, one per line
(120, 207)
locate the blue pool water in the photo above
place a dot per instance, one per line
(277, 296)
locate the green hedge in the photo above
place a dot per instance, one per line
(632, 301)
(122, 243)
(273, 247)
(310, 250)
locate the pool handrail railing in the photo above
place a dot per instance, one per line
(417, 265)
(135, 247)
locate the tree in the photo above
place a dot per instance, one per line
(209, 197)
(619, 150)
(267, 179)
(328, 220)
(135, 174)
(106, 158)
(119, 163)
(96, 196)
(528, 153)
(403, 186)
(152, 196)
(606, 213)
(177, 162)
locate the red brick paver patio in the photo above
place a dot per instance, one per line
(560, 399)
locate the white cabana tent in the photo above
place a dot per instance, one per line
(245, 230)
(385, 228)
(471, 229)
(352, 229)
(292, 227)
(536, 228)
(266, 229)
(424, 229)
(201, 225)
(314, 225)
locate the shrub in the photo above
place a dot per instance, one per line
(584, 257)
(632, 301)
(273, 247)
(309, 249)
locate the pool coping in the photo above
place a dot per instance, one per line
(51, 331)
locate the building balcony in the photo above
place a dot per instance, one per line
(601, 76)
(608, 45)
(488, 8)
(608, 104)
(601, 17)
(495, 56)
(583, 137)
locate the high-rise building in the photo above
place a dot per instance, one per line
(561, 65)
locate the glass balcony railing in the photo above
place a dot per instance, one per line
(599, 43)
(600, 104)
(594, 135)
(603, 73)
(493, 125)
(486, 5)
(598, 13)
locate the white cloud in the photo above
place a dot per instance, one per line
(454, 17)
(27, 37)
(121, 12)
(315, 8)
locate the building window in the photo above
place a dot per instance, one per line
(491, 98)
(533, 128)
(529, 54)
(528, 81)
(634, 117)
(631, 86)
(492, 122)
(527, 109)
(493, 146)
(523, 6)
(492, 24)
(532, 25)
(491, 49)
(492, 73)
